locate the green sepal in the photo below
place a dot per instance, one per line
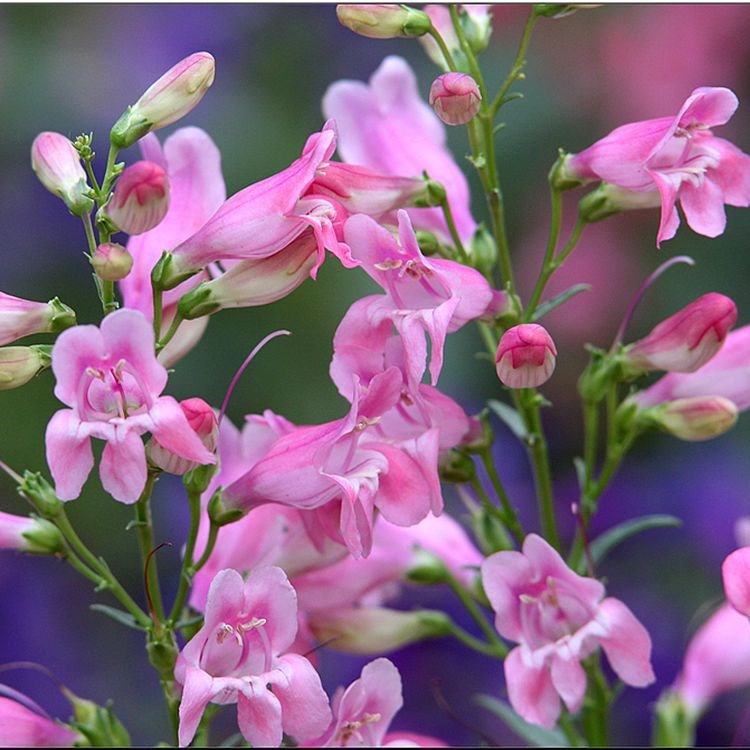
(62, 316)
(128, 129)
(37, 489)
(198, 302)
(97, 724)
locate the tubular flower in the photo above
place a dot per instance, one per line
(675, 158)
(20, 726)
(558, 618)
(22, 317)
(238, 656)
(110, 379)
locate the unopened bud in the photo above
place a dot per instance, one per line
(58, 167)
(383, 21)
(112, 261)
(696, 418)
(19, 364)
(21, 317)
(202, 420)
(608, 200)
(376, 630)
(457, 467)
(476, 21)
(483, 251)
(428, 242)
(175, 94)
(141, 198)
(455, 98)
(426, 568)
(97, 724)
(686, 340)
(525, 356)
(26, 534)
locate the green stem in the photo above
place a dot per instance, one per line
(492, 510)
(471, 606)
(169, 335)
(187, 570)
(109, 172)
(213, 532)
(98, 566)
(475, 643)
(145, 529)
(509, 517)
(596, 705)
(549, 254)
(448, 214)
(569, 730)
(157, 298)
(435, 34)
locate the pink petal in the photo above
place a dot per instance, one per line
(669, 219)
(733, 173)
(304, 703)
(75, 349)
(504, 576)
(704, 207)
(708, 106)
(569, 679)
(69, 454)
(196, 694)
(627, 644)
(123, 466)
(531, 692)
(259, 714)
(270, 596)
(171, 429)
(735, 571)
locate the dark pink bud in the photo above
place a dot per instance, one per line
(141, 198)
(455, 98)
(688, 339)
(526, 356)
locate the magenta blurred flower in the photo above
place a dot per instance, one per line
(20, 726)
(727, 374)
(525, 356)
(140, 199)
(735, 570)
(239, 656)
(680, 158)
(111, 380)
(455, 98)
(686, 340)
(559, 618)
(387, 127)
(22, 317)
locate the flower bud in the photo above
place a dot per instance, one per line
(141, 198)
(686, 340)
(383, 21)
(455, 98)
(19, 364)
(22, 727)
(697, 418)
(476, 20)
(175, 94)
(22, 317)
(112, 261)
(29, 535)
(525, 356)
(202, 420)
(58, 166)
(376, 630)
(607, 199)
(560, 10)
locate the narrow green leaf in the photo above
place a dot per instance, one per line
(604, 544)
(558, 300)
(533, 734)
(511, 418)
(124, 618)
(580, 467)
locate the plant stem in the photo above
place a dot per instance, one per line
(145, 528)
(549, 253)
(510, 517)
(474, 643)
(187, 570)
(493, 510)
(435, 34)
(175, 324)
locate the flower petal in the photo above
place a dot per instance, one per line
(530, 690)
(704, 207)
(259, 714)
(171, 429)
(69, 453)
(123, 466)
(196, 694)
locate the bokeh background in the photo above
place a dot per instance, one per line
(73, 68)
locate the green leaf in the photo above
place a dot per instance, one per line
(533, 734)
(511, 418)
(124, 618)
(604, 544)
(558, 300)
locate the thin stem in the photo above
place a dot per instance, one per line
(186, 572)
(448, 214)
(171, 331)
(510, 517)
(17, 478)
(157, 298)
(475, 643)
(109, 171)
(145, 529)
(596, 705)
(493, 511)
(471, 606)
(435, 34)
(213, 532)
(549, 254)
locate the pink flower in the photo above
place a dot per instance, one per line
(110, 379)
(558, 618)
(383, 21)
(140, 199)
(695, 418)
(735, 570)
(727, 374)
(238, 656)
(29, 534)
(716, 661)
(680, 158)
(386, 126)
(58, 167)
(688, 339)
(22, 317)
(193, 166)
(455, 97)
(20, 726)
(525, 356)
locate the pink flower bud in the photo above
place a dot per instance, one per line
(455, 98)
(735, 570)
(29, 534)
(202, 420)
(141, 198)
(526, 356)
(383, 21)
(58, 167)
(688, 339)
(23, 317)
(175, 94)
(697, 418)
(22, 727)
(19, 364)
(112, 261)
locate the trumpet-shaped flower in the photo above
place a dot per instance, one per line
(111, 380)
(558, 618)
(20, 726)
(22, 317)
(676, 158)
(388, 127)
(238, 656)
